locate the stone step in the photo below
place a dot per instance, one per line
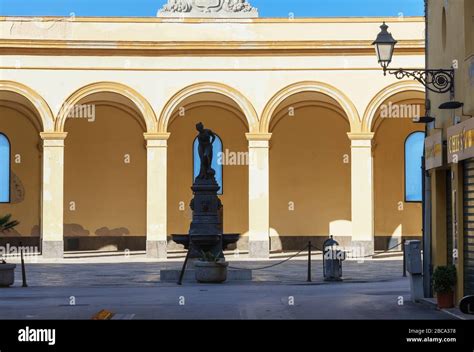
(172, 275)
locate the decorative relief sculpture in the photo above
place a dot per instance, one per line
(177, 6)
(208, 8)
(239, 6)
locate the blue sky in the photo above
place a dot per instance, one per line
(267, 8)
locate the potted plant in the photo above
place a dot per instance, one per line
(444, 280)
(211, 268)
(7, 271)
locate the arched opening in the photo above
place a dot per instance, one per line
(414, 146)
(310, 172)
(20, 166)
(217, 161)
(104, 173)
(396, 217)
(5, 169)
(223, 116)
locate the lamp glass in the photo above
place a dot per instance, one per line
(384, 52)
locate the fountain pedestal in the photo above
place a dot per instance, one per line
(206, 229)
(205, 233)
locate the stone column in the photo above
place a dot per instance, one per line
(362, 189)
(156, 203)
(52, 195)
(259, 191)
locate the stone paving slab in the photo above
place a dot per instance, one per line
(148, 274)
(372, 289)
(374, 300)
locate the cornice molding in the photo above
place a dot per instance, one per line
(157, 48)
(201, 44)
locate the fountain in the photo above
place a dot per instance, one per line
(206, 229)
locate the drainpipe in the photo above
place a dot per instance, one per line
(426, 201)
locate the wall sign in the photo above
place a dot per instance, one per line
(461, 141)
(434, 151)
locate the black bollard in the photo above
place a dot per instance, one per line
(23, 272)
(404, 259)
(309, 262)
(181, 275)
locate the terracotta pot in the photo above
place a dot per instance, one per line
(445, 300)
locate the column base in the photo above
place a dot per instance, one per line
(156, 249)
(259, 249)
(52, 249)
(363, 248)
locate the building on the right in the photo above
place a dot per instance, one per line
(449, 147)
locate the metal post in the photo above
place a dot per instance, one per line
(404, 259)
(309, 262)
(23, 271)
(426, 186)
(181, 275)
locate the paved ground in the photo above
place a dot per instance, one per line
(127, 272)
(230, 301)
(74, 289)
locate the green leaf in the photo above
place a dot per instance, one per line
(444, 279)
(6, 224)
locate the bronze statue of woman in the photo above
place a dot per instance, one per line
(205, 138)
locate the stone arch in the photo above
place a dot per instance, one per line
(227, 107)
(45, 114)
(387, 92)
(209, 87)
(310, 86)
(136, 98)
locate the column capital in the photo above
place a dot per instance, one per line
(258, 140)
(258, 136)
(59, 136)
(160, 136)
(53, 139)
(361, 140)
(156, 140)
(359, 136)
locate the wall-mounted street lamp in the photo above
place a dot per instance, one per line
(438, 81)
(453, 105)
(426, 118)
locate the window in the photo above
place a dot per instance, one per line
(414, 145)
(216, 161)
(4, 169)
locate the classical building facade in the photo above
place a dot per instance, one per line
(98, 119)
(449, 146)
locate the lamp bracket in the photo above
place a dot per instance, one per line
(438, 81)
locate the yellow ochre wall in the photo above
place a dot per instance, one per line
(308, 169)
(25, 193)
(109, 194)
